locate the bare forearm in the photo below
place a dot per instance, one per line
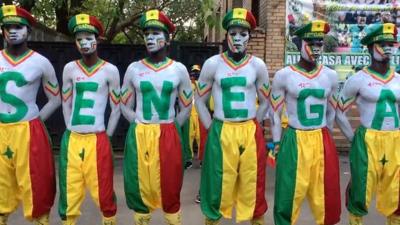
(128, 113)
(330, 119)
(261, 112)
(50, 107)
(344, 126)
(113, 121)
(67, 110)
(276, 127)
(183, 115)
(203, 112)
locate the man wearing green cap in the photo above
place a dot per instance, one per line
(307, 163)
(26, 162)
(233, 170)
(154, 159)
(374, 155)
(86, 159)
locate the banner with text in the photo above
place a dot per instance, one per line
(348, 19)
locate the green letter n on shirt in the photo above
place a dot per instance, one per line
(150, 97)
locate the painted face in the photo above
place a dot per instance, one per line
(86, 43)
(311, 50)
(154, 39)
(15, 34)
(238, 38)
(383, 51)
(194, 75)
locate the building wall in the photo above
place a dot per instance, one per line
(246, 4)
(262, 22)
(256, 45)
(275, 34)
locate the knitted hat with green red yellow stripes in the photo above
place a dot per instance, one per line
(85, 22)
(315, 29)
(156, 19)
(11, 14)
(380, 32)
(239, 17)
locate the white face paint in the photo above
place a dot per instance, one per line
(238, 38)
(311, 50)
(86, 43)
(15, 34)
(155, 40)
(382, 51)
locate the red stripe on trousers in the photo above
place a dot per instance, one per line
(105, 171)
(171, 168)
(397, 212)
(203, 139)
(331, 180)
(41, 169)
(261, 204)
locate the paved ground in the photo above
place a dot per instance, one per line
(191, 211)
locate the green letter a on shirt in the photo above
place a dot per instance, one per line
(386, 98)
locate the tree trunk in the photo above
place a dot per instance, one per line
(76, 7)
(62, 18)
(111, 31)
(117, 27)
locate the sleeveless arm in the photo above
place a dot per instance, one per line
(185, 93)
(128, 96)
(203, 92)
(277, 98)
(263, 91)
(114, 95)
(332, 102)
(67, 90)
(346, 99)
(51, 89)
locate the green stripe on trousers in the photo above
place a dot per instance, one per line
(62, 174)
(285, 182)
(131, 173)
(357, 189)
(211, 173)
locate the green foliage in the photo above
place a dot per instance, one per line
(120, 38)
(120, 17)
(44, 12)
(207, 9)
(187, 17)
